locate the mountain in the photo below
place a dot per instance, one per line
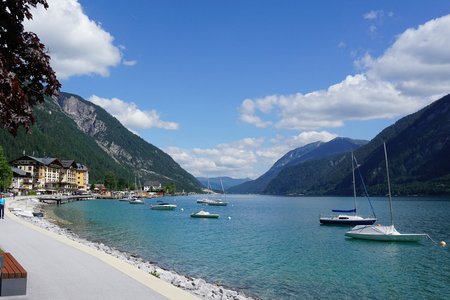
(215, 184)
(298, 156)
(70, 127)
(418, 150)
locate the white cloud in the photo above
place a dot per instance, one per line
(249, 157)
(373, 15)
(410, 74)
(131, 116)
(342, 45)
(129, 62)
(77, 44)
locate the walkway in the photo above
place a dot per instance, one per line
(59, 268)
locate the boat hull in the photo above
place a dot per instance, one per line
(163, 207)
(331, 221)
(383, 233)
(388, 238)
(212, 202)
(136, 202)
(205, 216)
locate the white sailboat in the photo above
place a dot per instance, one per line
(384, 233)
(213, 202)
(346, 218)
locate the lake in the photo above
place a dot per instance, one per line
(273, 247)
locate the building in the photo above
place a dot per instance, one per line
(82, 175)
(68, 174)
(152, 186)
(50, 173)
(21, 181)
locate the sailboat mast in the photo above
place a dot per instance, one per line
(389, 183)
(354, 184)
(223, 190)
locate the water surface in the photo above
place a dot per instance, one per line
(274, 248)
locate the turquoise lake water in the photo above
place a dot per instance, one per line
(274, 248)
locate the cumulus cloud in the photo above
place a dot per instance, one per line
(77, 44)
(249, 157)
(131, 116)
(410, 74)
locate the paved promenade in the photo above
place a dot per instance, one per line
(59, 268)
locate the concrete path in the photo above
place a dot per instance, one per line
(59, 268)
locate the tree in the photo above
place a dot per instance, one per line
(25, 73)
(5, 171)
(170, 188)
(110, 180)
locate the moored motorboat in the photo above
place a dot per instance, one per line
(163, 206)
(204, 214)
(135, 200)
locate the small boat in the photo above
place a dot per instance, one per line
(212, 202)
(135, 200)
(350, 219)
(384, 233)
(163, 206)
(204, 214)
(347, 220)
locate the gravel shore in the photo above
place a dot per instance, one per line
(24, 206)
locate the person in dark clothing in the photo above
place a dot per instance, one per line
(2, 207)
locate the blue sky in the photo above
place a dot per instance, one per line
(228, 87)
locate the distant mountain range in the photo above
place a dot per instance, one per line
(418, 147)
(214, 182)
(72, 128)
(296, 157)
(419, 161)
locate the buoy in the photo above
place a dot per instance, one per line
(229, 218)
(442, 243)
(182, 209)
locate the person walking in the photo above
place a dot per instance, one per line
(2, 207)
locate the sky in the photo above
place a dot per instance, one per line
(227, 87)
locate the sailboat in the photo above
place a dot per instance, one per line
(384, 233)
(350, 219)
(213, 202)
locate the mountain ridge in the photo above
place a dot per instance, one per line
(71, 127)
(415, 143)
(312, 151)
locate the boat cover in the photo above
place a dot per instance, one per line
(375, 230)
(344, 211)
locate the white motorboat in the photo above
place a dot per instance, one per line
(384, 233)
(347, 218)
(204, 214)
(163, 206)
(135, 200)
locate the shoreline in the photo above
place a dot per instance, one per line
(195, 286)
